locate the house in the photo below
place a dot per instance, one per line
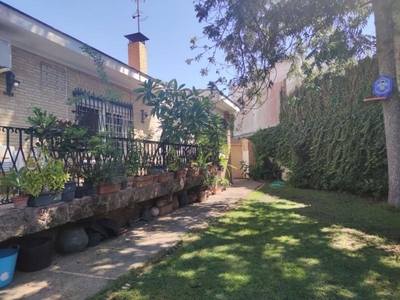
(50, 66)
(261, 116)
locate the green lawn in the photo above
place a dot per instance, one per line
(281, 243)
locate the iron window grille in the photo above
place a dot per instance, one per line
(98, 115)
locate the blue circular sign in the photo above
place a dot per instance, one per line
(383, 86)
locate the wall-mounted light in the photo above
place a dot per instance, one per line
(144, 114)
(11, 82)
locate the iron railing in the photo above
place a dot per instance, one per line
(17, 144)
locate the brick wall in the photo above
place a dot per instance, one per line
(137, 56)
(48, 84)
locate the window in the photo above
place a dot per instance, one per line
(98, 115)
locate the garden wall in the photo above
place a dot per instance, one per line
(20, 222)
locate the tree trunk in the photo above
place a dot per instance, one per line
(385, 34)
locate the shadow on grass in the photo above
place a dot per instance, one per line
(295, 245)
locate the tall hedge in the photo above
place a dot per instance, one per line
(329, 137)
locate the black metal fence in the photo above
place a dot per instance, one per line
(17, 144)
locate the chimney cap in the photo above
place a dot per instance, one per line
(136, 37)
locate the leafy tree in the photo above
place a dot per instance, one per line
(186, 116)
(256, 34)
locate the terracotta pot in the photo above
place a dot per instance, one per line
(175, 204)
(166, 209)
(181, 174)
(164, 177)
(203, 196)
(192, 173)
(129, 182)
(156, 177)
(20, 202)
(142, 181)
(160, 203)
(108, 188)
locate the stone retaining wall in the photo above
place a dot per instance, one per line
(19, 222)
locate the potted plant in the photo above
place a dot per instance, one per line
(224, 183)
(156, 172)
(15, 183)
(193, 170)
(207, 183)
(107, 176)
(107, 171)
(145, 178)
(132, 166)
(45, 180)
(202, 162)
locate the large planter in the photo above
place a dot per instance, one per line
(35, 254)
(8, 258)
(72, 240)
(142, 181)
(20, 202)
(44, 199)
(106, 187)
(69, 191)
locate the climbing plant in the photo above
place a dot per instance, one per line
(328, 137)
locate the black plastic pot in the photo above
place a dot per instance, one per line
(69, 191)
(123, 185)
(89, 188)
(182, 199)
(94, 238)
(79, 192)
(35, 254)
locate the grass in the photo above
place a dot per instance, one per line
(281, 243)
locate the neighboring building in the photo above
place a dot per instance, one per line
(50, 66)
(261, 116)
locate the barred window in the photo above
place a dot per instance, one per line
(98, 115)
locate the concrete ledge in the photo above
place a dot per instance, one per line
(19, 222)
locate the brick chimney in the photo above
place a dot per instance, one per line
(137, 52)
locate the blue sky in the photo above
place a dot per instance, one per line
(103, 23)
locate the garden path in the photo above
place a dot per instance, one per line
(80, 275)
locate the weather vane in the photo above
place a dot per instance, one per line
(139, 15)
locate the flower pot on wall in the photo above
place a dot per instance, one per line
(155, 178)
(164, 177)
(129, 182)
(142, 181)
(20, 202)
(192, 173)
(69, 191)
(89, 188)
(44, 199)
(106, 187)
(181, 174)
